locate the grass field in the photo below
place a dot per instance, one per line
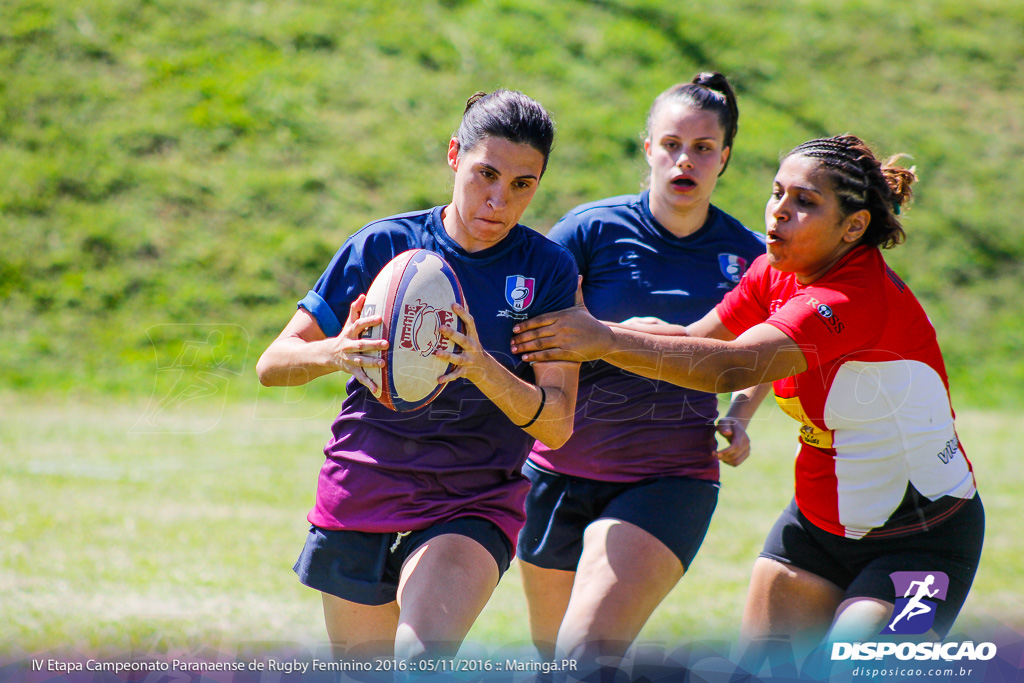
(125, 527)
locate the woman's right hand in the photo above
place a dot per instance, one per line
(351, 349)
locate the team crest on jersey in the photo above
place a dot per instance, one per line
(519, 291)
(732, 266)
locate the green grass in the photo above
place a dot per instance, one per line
(171, 163)
(128, 529)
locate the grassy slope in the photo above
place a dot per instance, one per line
(176, 169)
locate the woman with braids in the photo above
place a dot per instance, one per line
(417, 513)
(885, 496)
(617, 514)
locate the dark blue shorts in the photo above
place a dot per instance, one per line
(559, 508)
(365, 567)
(861, 567)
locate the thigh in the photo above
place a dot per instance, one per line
(787, 607)
(444, 585)
(360, 631)
(623, 574)
(547, 597)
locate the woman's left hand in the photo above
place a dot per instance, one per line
(472, 360)
(739, 443)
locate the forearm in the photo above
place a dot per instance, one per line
(711, 365)
(520, 400)
(666, 329)
(291, 362)
(745, 403)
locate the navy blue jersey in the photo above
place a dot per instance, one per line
(460, 455)
(628, 427)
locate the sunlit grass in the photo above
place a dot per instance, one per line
(184, 531)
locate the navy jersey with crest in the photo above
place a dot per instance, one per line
(627, 427)
(460, 455)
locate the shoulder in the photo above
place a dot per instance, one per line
(586, 220)
(731, 226)
(760, 271)
(400, 225)
(862, 271)
(619, 205)
(539, 246)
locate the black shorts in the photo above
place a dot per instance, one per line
(365, 567)
(559, 508)
(862, 567)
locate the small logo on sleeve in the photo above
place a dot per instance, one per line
(827, 315)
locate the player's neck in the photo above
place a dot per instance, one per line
(680, 221)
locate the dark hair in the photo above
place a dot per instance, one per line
(861, 181)
(506, 114)
(708, 91)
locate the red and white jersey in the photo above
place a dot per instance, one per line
(879, 453)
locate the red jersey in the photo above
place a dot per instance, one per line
(878, 451)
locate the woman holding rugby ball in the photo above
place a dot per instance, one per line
(617, 514)
(417, 513)
(882, 483)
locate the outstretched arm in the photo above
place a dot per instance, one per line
(761, 354)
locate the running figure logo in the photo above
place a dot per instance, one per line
(915, 611)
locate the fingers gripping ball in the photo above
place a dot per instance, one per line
(414, 294)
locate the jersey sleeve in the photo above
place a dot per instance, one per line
(560, 290)
(571, 233)
(349, 274)
(834, 318)
(749, 302)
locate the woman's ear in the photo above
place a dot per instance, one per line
(453, 154)
(855, 225)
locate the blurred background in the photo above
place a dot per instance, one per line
(176, 174)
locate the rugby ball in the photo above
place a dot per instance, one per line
(414, 294)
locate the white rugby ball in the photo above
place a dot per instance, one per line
(414, 294)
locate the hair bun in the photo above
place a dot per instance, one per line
(473, 99)
(899, 180)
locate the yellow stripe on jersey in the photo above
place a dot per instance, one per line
(809, 433)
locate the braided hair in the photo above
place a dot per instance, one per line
(861, 181)
(708, 91)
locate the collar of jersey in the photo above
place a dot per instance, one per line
(664, 235)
